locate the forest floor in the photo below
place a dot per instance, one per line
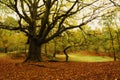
(16, 70)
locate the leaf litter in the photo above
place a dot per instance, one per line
(15, 70)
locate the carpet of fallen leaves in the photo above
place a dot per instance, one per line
(15, 70)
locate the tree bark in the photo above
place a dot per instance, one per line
(34, 53)
(6, 49)
(112, 42)
(66, 53)
(54, 54)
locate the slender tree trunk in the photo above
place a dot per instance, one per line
(34, 53)
(66, 53)
(112, 42)
(6, 49)
(46, 48)
(54, 54)
(118, 40)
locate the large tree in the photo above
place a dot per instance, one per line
(38, 19)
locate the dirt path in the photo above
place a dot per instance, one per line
(12, 70)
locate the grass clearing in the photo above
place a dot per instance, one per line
(85, 58)
(2, 55)
(77, 57)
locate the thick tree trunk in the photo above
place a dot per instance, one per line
(34, 53)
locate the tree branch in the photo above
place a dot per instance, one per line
(115, 4)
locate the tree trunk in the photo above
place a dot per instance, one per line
(55, 48)
(112, 42)
(34, 53)
(66, 53)
(6, 49)
(46, 49)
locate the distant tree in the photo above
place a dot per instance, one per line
(11, 41)
(38, 18)
(109, 23)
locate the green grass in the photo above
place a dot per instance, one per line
(78, 58)
(2, 55)
(83, 58)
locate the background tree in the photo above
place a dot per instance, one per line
(11, 41)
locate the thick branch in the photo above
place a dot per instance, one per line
(115, 4)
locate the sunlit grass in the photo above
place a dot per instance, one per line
(78, 57)
(2, 55)
(84, 58)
